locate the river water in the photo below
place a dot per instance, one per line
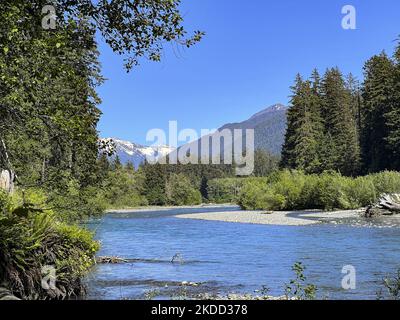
(223, 258)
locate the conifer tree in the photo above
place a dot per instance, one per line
(288, 153)
(300, 150)
(305, 149)
(340, 124)
(392, 117)
(378, 115)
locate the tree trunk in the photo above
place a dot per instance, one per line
(7, 180)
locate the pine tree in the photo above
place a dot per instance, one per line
(154, 183)
(305, 150)
(353, 87)
(116, 164)
(392, 117)
(300, 150)
(130, 167)
(340, 124)
(317, 121)
(288, 152)
(378, 115)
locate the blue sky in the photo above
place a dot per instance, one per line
(246, 62)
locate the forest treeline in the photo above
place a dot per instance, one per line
(167, 184)
(336, 123)
(275, 189)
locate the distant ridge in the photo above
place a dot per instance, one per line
(269, 127)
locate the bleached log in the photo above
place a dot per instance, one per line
(388, 204)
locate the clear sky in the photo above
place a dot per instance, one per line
(246, 62)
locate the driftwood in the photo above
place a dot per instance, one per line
(388, 204)
(110, 260)
(177, 258)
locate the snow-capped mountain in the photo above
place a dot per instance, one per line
(135, 153)
(269, 129)
(269, 126)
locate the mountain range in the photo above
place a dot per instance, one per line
(135, 153)
(269, 128)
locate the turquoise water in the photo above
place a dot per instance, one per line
(237, 258)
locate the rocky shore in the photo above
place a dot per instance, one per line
(286, 218)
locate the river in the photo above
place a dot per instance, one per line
(220, 257)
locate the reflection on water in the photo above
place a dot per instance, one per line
(219, 257)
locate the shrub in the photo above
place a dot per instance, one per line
(179, 191)
(289, 186)
(392, 288)
(256, 194)
(294, 190)
(330, 193)
(122, 190)
(30, 239)
(309, 193)
(224, 190)
(298, 288)
(361, 192)
(386, 182)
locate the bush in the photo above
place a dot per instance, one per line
(294, 190)
(30, 239)
(330, 193)
(361, 192)
(386, 182)
(179, 191)
(122, 189)
(256, 194)
(224, 190)
(289, 186)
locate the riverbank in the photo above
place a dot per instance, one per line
(283, 218)
(232, 213)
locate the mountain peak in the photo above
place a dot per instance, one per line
(135, 153)
(278, 107)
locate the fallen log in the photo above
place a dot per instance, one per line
(388, 204)
(110, 260)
